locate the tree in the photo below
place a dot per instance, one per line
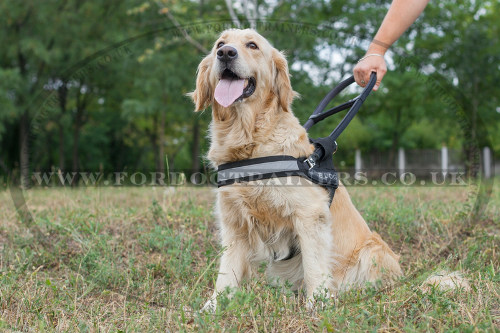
(464, 46)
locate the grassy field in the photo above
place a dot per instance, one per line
(145, 259)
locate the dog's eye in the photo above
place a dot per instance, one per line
(252, 45)
(221, 44)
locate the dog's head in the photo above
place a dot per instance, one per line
(242, 67)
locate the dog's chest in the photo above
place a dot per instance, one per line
(270, 231)
(266, 222)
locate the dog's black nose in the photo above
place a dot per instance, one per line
(227, 53)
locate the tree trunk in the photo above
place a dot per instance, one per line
(76, 145)
(161, 143)
(62, 160)
(63, 93)
(154, 143)
(475, 164)
(470, 146)
(24, 157)
(4, 166)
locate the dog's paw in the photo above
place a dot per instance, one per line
(210, 306)
(314, 305)
(310, 304)
(319, 301)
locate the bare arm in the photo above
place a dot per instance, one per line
(400, 16)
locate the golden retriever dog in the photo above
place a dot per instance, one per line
(305, 241)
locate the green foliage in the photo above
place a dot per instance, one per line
(101, 86)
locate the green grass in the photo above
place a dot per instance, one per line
(140, 259)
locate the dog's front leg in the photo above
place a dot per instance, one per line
(234, 266)
(314, 232)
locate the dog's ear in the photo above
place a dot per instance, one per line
(203, 94)
(282, 86)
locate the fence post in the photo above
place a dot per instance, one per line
(487, 162)
(357, 161)
(401, 160)
(444, 160)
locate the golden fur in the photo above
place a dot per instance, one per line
(261, 223)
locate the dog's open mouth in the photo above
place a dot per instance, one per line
(232, 88)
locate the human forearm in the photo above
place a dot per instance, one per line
(400, 16)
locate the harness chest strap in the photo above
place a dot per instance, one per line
(258, 168)
(275, 167)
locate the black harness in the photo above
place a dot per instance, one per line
(318, 167)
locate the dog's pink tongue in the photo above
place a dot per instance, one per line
(227, 91)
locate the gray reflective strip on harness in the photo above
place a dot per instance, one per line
(256, 170)
(260, 168)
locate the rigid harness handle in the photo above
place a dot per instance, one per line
(318, 115)
(358, 101)
(354, 105)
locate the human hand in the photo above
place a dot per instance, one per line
(371, 62)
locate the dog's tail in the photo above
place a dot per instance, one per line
(373, 263)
